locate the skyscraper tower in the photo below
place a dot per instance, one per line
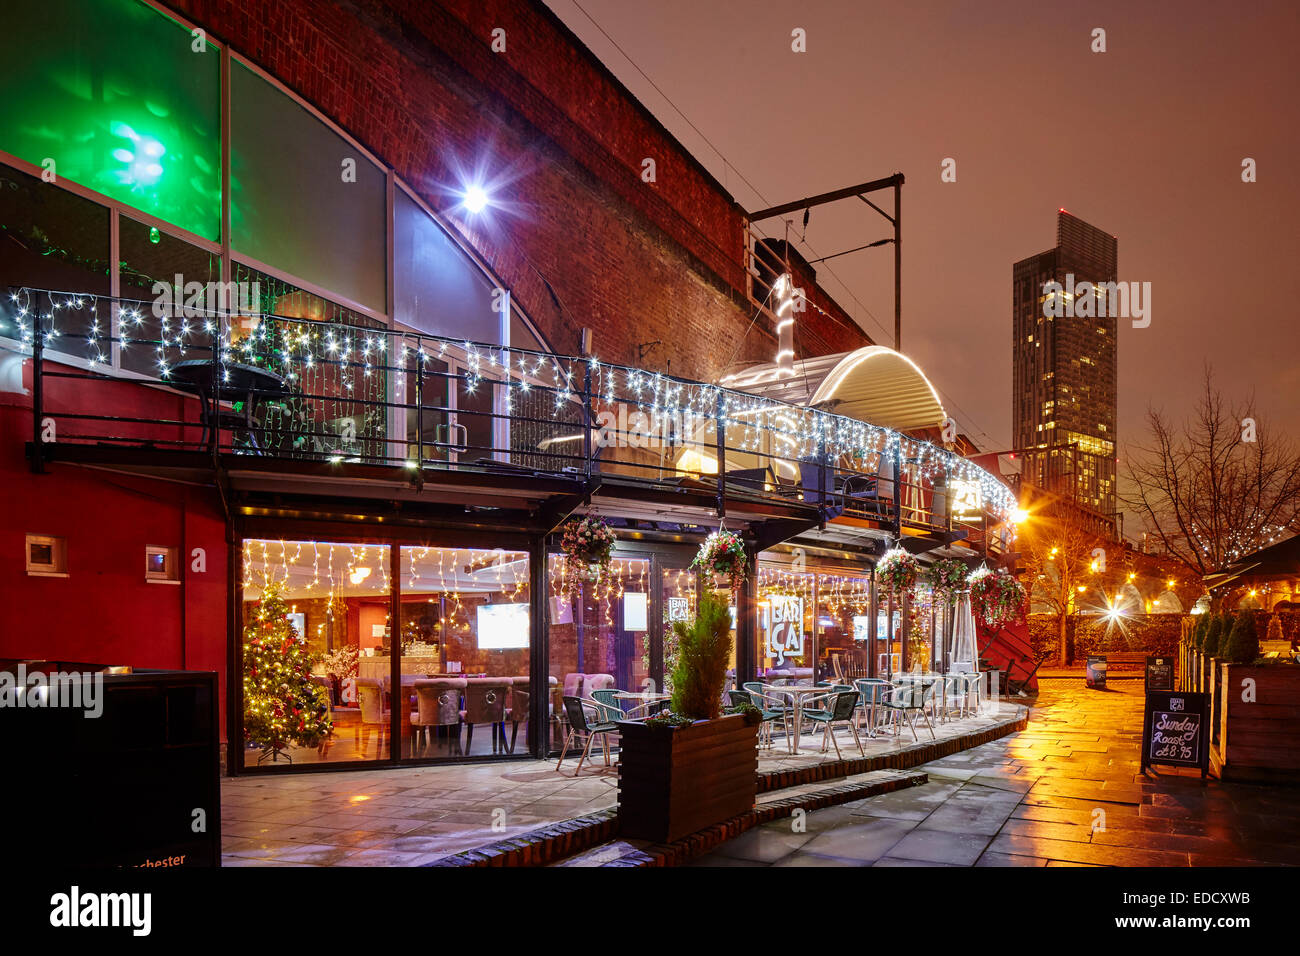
(1063, 395)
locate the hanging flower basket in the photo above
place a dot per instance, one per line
(898, 572)
(996, 598)
(723, 553)
(947, 577)
(587, 544)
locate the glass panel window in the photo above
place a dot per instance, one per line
(602, 638)
(464, 641)
(785, 622)
(303, 199)
(113, 94)
(843, 626)
(154, 332)
(336, 368)
(52, 239)
(316, 644)
(437, 288)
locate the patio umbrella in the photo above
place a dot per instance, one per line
(962, 650)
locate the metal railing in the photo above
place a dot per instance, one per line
(379, 396)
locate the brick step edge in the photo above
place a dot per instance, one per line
(905, 759)
(543, 846)
(697, 844)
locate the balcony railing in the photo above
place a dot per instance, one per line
(300, 389)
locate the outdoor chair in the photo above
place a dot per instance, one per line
(839, 709)
(580, 726)
(906, 702)
(873, 693)
(608, 705)
(771, 710)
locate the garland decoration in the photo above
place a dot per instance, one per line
(996, 598)
(587, 545)
(898, 572)
(723, 552)
(947, 577)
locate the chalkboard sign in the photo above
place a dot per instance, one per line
(1095, 673)
(1175, 730)
(1159, 674)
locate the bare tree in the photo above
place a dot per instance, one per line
(1217, 487)
(1063, 560)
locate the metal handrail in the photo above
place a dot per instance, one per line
(551, 414)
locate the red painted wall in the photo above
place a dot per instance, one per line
(104, 611)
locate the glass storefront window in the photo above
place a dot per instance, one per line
(332, 606)
(616, 637)
(843, 626)
(464, 641)
(785, 622)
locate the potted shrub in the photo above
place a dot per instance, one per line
(1257, 717)
(692, 766)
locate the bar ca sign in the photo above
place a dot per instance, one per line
(785, 632)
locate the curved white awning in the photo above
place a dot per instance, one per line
(873, 384)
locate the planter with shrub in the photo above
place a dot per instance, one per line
(1257, 705)
(692, 766)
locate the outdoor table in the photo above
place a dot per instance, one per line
(797, 693)
(646, 698)
(234, 382)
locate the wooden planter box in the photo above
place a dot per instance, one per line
(1257, 741)
(673, 782)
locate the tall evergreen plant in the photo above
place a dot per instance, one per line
(703, 653)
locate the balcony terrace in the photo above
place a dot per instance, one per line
(294, 416)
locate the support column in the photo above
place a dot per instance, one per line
(746, 622)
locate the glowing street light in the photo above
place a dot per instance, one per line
(475, 199)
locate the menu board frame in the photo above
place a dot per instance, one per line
(1177, 705)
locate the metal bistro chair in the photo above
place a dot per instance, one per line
(771, 711)
(578, 724)
(873, 692)
(842, 705)
(609, 708)
(908, 700)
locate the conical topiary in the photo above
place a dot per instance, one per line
(1213, 635)
(1198, 631)
(1274, 629)
(1242, 643)
(703, 653)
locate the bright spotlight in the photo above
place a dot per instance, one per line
(1019, 516)
(476, 199)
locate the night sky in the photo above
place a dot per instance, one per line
(1145, 141)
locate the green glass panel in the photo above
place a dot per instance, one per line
(116, 94)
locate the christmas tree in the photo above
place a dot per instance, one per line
(282, 704)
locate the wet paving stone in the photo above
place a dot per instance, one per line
(1066, 791)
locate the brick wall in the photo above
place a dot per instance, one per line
(415, 81)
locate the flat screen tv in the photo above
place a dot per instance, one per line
(502, 627)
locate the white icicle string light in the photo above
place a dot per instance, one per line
(796, 432)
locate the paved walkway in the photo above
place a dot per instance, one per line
(1064, 792)
(411, 816)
